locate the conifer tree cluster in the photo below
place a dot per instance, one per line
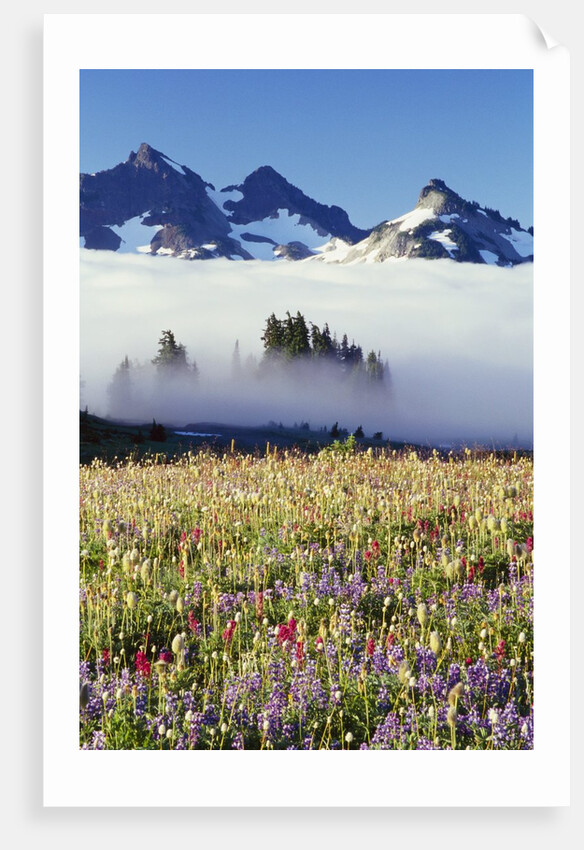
(292, 340)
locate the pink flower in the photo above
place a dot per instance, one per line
(229, 631)
(287, 631)
(142, 664)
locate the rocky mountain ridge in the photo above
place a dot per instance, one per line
(154, 205)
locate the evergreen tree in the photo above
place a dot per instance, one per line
(120, 389)
(321, 343)
(236, 362)
(172, 356)
(296, 339)
(273, 338)
(344, 349)
(374, 366)
(157, 432)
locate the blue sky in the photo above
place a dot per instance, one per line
(367, 140)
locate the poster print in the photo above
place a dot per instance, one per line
(306, 507)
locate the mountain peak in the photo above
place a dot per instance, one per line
(437, 196)
(149, 157)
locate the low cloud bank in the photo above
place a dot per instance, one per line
(458, 340)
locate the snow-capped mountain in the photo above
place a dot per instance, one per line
(153, 205)
(442, 225)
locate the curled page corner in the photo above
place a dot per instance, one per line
(543, 36)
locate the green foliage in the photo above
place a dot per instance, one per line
(340, 447)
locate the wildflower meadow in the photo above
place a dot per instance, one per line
(344, 599)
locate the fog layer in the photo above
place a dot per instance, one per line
(457, 339)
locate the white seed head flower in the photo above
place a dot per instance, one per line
(224, 728)
(180, 605)
(237, 617)
(149, 618)
(483, 633)
(422, 614)
(387, 601)
(178, 644)
(455, 693)
(349, 737)
(162, 730)
(451, 716)
(403, 672)
(435, 643)
(521, 637)
(131, 599)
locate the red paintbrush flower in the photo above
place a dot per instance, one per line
(287, 631)
(143, 667)
(229, 631)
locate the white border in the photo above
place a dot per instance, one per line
(75, 778)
